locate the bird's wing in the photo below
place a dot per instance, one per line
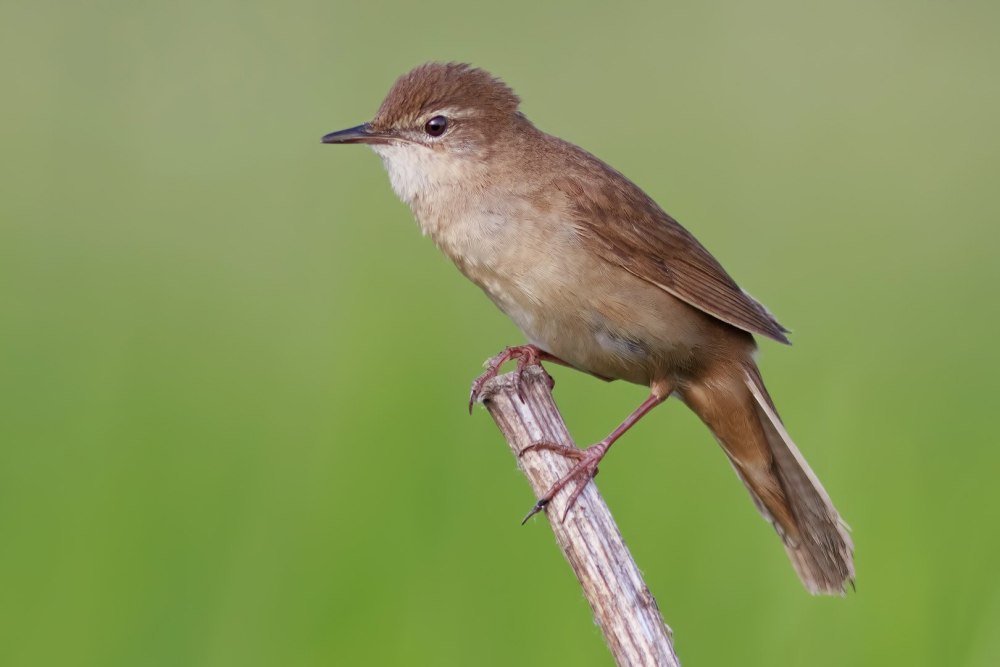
(627, 228)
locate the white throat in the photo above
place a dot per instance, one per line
(415, 171)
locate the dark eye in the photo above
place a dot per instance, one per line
(436, 126)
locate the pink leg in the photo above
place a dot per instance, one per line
(586, 459)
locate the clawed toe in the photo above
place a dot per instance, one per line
(583, 471)
(526, 355)
(563, 450)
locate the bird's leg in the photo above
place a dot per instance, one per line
(526, 355)
(587, 459)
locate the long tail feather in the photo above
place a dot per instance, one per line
(822, 551)
(732, 401)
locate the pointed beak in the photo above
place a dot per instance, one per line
(362, 134)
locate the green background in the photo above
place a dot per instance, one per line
(233, 374)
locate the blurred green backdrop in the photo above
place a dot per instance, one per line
(233, 374)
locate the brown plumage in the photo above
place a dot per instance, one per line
(600, 278)
(433, 87)
(651, 245)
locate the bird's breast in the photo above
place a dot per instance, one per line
(539, 272)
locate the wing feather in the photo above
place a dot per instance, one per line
(628, 228)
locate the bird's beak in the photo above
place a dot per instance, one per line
(362, 134)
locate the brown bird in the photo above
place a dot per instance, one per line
(601, 279)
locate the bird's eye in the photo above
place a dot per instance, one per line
(436, 126)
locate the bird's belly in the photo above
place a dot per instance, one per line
(593, 315)
(605, 322)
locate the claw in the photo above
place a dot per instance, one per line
(539, 506)
(526, 355)
(582, 472)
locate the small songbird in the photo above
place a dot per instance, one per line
(599, 278)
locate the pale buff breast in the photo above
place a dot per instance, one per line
(594, 315)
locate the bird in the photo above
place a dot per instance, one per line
(598, 277)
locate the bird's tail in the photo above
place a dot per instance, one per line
(783, 486)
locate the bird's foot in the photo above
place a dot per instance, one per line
(526, 355)
(584, 470)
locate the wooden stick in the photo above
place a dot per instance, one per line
(623, 606)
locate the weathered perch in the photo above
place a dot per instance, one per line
(623, 607)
